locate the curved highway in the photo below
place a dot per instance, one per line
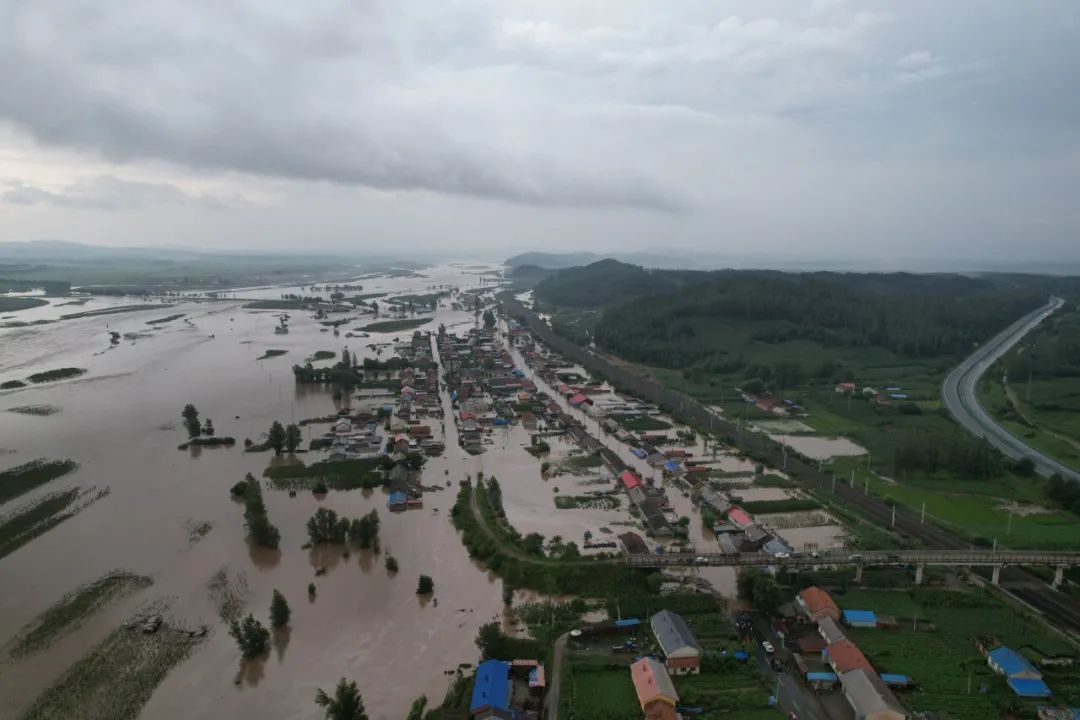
(958, 393)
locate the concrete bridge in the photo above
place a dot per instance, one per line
(995, 559)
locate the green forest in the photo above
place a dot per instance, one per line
(675, 319)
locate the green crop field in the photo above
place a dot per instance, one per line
(599, 691)
(940, 654)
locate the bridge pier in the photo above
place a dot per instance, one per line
(1059, 576)
(919, 573)
(995, 575)
(858, 574)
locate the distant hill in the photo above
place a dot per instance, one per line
(552, 261)
(609, 282)
(529, 273)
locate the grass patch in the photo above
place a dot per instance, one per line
(24, 478)
(12, 385)
(763, 507)
(598, 691)
(37, 410)
(275, 305)
(213, 441)
(271, 354)
(34, 519)
(109, 311)
(583, 461)
(116, 678)
(72, 610)
(323, 355)
(12, 304)
(57, 374)
(167, 319)
(388, 326)
(340, 475)
(643, 423)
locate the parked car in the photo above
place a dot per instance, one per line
(767, 647)
(855, 556)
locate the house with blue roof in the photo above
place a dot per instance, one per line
(1029, 688)
(491, 691)
(860, 618)
(1011, 664)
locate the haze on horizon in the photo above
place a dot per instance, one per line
(827, 128)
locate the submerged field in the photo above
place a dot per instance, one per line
(116, 678)
(73, 609)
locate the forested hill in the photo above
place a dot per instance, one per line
(610, 282)
(678, 318)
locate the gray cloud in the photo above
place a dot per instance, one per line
(107, 192)
(861, 126)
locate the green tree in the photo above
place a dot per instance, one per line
(489, 319)
(279, 610)
(767, 594)
(276, 437)
(746, 582)
(258, 523)
(325, 527)
(250, 635)
(364, 531)
(191, 421)
(425, 586)
(208, 428)
(391, 563)
(489, 639)
(293, 437)
(346, 704)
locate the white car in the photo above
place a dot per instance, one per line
(767, 647)
(782, 556)
(701, 560)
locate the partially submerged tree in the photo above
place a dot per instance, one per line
(279, 610)
(425, 586)
(346, 704)
(276, 437)
(191, 421)
(293, 438)
(250, 635)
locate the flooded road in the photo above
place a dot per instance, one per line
(121, 422)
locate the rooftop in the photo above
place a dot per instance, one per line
(672, 632)
(652, 682)
(492, 685)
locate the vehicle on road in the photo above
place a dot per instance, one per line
(855, 556)
(767, 647)
(701, 560)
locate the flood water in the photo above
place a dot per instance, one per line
(121, 422)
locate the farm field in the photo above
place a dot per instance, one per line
(940, 654)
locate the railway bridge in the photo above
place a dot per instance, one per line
(995, 559)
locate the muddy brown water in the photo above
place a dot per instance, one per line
(121, 422)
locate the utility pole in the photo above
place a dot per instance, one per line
(834, 484)
(866, 486)
(922, 518)
(1008, 530)
(852, 477)
(894, 516)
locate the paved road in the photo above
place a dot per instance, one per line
(551, 700)
(963, 557)
(791, 695)
(958, 393)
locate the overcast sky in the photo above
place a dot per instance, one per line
(829, 128)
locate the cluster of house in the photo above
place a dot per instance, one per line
(507, 690)
(484, 384)
(736, 530)
(873, 394)
(681, 656)
(781, 407)
(867, 692)
(650, 501)
(356, 437)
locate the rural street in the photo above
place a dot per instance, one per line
(958, 393)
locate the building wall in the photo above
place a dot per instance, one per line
(683, 665)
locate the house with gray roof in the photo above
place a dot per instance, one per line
(682, 654)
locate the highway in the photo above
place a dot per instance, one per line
(959, 394)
